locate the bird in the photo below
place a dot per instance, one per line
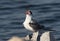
(31, 24)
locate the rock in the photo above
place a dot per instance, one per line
(15, 38)
(36, 36)
(47, 36)
(41, 36)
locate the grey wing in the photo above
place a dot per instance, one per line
(34, 24)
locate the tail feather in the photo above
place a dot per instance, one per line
(49, 29)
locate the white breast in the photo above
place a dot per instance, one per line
(26, 25)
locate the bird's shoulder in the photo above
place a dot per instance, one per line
(33, 22)
(36, 24)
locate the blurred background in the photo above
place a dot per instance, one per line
(12, 15)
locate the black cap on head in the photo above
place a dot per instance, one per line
(28, 12)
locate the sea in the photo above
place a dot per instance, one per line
(12, 16)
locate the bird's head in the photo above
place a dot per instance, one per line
(28, 12)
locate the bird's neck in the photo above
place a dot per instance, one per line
(28, 18)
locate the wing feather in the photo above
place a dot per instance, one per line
(34, 24)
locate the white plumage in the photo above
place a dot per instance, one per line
(26, 23)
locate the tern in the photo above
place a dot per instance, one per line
(31, 24)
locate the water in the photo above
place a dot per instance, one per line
(12, 15)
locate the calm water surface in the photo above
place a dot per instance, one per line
(12, 15)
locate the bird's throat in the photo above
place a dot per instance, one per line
(28, 18)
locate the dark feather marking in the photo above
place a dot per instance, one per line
(34, 24)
